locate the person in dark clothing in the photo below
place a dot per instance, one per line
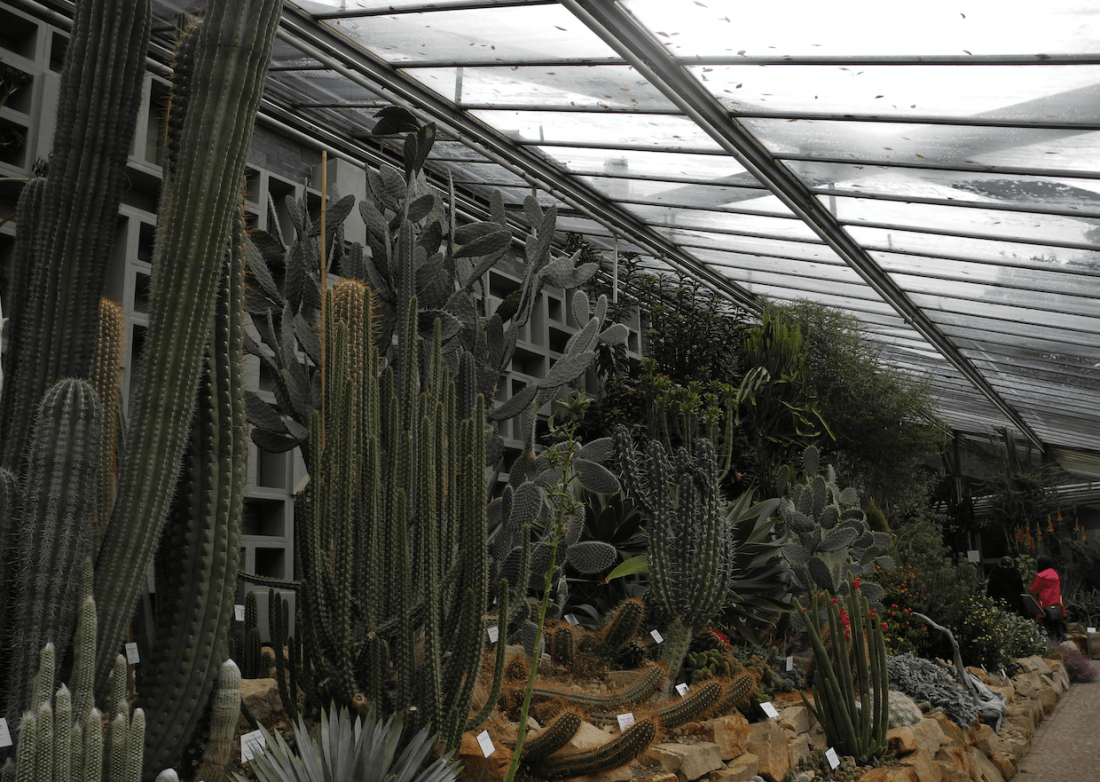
(1006, 585)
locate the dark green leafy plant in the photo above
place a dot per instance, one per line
(365, 750)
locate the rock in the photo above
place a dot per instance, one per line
(1005, 763)
(1023, 686)
(924, 764)
(478, 768)
(1006, 690)
(981, 768)
(902, 741)
(1094, 646)
(620, 774)
(952, 731)
(768, 742)
(1048, 697)
(741, 769)
(616, 680)
(730, 733)
(890, 774)
(588, 736)
(797, 718)
(658, 776)
(954, 763)
(985, 740)
(687, 761)
(798, 747)
(261, 697)
(818, 739)
(1038, 664)
(929, 734)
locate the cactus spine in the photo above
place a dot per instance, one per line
(737, 693)
(553, 737)
(699, 700)
(198, 208)
(65, 246)
(107, 381)
(642, 687)
(617, 752)
(198, 557)
(853, 709)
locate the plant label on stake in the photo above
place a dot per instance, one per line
(238, 613)
(682, 688)
(625, 720)
(830, 755)
(5, 734)
(657, 636)
(494, 633)
(250, 742)
(790, 662)
(1091, 629)
(485, 743)
(974, 555)
(770, 710)
(132, 654)
(572, 619)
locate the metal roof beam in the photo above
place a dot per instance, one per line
(352, 62)
(622, 32)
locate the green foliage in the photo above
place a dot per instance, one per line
(900, 601)
(366, 749)
(1021, 493)
(992, 637)
(883, 422)
(851, 699)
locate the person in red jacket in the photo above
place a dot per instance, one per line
(1047, 588)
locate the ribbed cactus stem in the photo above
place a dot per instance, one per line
(43, 739)
(83, 671)
(617, 752)
(71, 234)
(645, 685)
(26, 749)
(93, 746)
(106, 379)
(225, 711)
(553, 737)
(63, 721)
(199, 207)
(699, 700)
(58, 502)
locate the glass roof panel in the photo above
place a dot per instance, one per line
(990, 250)
(698, 196)
(767, 263)
(813, 28)
(559, 86)
(694, 218)
(977, 187)
(325, 86)
(989, 274)
(713, 169)
(751, 244)
(1070, 370)
(967, 220)
(958, 147)
(804, 286)
(483, 173)
(1010, 329)
(656, 131)
(785, 293)
(982, 91)
(983, 334)
(351, 6)
(503, 34)
(1022, 315)
(1038, 307)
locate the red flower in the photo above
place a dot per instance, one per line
(835, 601)
(884, 625)
(855, 583)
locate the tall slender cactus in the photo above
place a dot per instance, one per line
(232, 51)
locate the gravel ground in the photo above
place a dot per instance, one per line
(1066, 748)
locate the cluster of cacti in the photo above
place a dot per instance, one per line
(852, 705)
(617, 752)
(827, 534)
(245, 641)
(689, 546)
(699, 666)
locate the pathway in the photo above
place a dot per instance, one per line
(1066, 747)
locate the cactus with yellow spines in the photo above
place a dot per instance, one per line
(106, 379)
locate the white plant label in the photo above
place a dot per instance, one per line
(1003, 674)
(682, 689)
(5, 734)
(238, 613)
(494, 634)
(572, 619)
(250, 742)
(974, 555)
(485, 743)
(830, 755)
(790, 662)
(1091, 629)
(657, 636)
(132, 654)
(770, 710)
(625, 720)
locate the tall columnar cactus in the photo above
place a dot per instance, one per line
(689, 541)
(198, 557)
(852, 706)
(225, 711)
(52, 538)
(827, 534)
(199, 206)
(65, 238)
(106, 379)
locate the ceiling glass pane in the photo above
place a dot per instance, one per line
(984, 333)
(1070, 93)
(560, 86)
(657, 131)
(957, 147)
(1037, 307)
(455, 150)
(1016, 321)
(483, 173)
(977, 187)
(506, 34)
(350, 6)
(325, 87)
(696, 196)
(991, 250)
(750, 244)
(868, 27)
(767, 263)
(968, 220)
(693, 218)
(1077, 372)
(849, 303)
(714, 169)
(1072, 284)
(810, 287)
(517, 195)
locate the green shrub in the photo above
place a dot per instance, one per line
(993, 638)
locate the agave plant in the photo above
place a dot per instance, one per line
(365, 751)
